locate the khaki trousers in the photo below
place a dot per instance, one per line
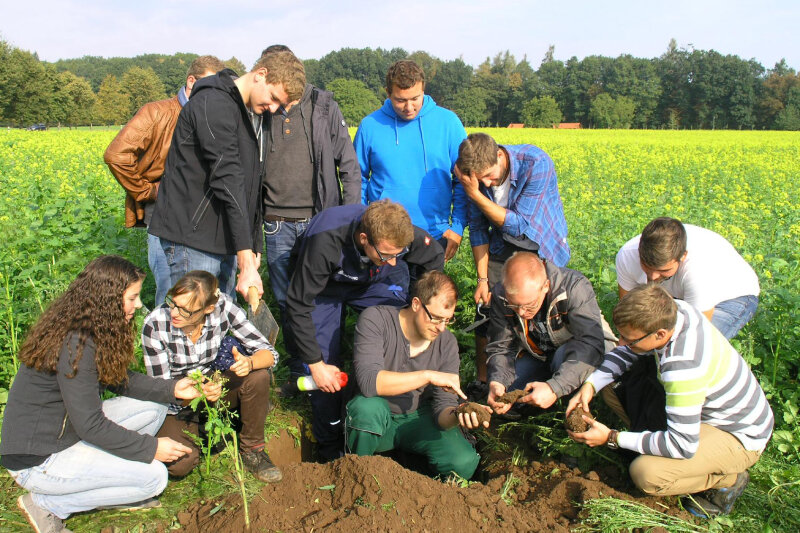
(719, 458)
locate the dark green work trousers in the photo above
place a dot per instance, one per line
(371, 427)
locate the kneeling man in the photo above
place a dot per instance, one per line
(406, 365)
(546, 332)
(718, 419)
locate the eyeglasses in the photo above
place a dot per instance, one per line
(185, 313)
(385, 258)
(438, 321)
(525, 308)
(633, 343)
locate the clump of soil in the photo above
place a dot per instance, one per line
(575, 421)
(377, 494)
(479, 410)
(511, 397)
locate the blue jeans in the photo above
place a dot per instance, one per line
(731, 315)
(183, 259)
(528, 369)
(84, 477)
(280, 238)
(157, 260)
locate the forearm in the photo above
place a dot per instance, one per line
(390, 383)
(492, 211)
(481, 256)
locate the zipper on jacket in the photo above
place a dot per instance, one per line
(201, 210)
(63, 426)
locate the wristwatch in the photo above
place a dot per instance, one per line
(612, 440)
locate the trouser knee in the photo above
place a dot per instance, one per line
(462, 462)
(648, 479)
(185, 464)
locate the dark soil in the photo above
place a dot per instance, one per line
(377, 494)
(575, 422)
(479, 410)
(511, 397)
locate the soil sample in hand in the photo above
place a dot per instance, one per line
(575, 422)
(480, 412)
(511, 397)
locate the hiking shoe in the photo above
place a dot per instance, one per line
(259, 464)
(717, 501)
(149, 503)
(477, 391)
(42, 520)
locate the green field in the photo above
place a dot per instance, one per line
(60, 207)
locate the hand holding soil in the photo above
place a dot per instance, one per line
(512, 397)
(474, 412)
(575, 422)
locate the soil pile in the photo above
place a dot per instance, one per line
(377, 494)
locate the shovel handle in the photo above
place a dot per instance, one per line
(252, 298)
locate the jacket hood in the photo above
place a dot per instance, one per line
(221, 81)
(427, 106)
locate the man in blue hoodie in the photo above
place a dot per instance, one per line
(407, 150)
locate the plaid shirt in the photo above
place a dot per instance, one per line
(534, 207)
(168, 352)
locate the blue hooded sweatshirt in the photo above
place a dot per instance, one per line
(411, 163)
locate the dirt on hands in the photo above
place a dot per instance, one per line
(575, 422)
(479, 410)
(511, 397)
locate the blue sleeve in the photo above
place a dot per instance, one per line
(363, 160)
(460, 201)
(520, 214)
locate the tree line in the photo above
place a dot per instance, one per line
(682, 88)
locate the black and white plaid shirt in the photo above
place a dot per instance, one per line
(169, 353)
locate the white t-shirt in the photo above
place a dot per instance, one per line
(712, 272)
(500, 193)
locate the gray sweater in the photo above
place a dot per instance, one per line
(48, 413)
(381, 345)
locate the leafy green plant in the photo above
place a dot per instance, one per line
(219, 426)
(507, 493)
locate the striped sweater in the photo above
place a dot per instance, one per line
(706, 381)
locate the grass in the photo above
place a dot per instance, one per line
(608, 515)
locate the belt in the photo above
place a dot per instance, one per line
(276, 218)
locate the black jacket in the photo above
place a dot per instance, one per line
(48, 413)
(326, 253)
(334, 157)
(210, 195)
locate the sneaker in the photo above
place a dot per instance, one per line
(42, 520)
(477, 391)
(259, 464)
(149, 503)
(717, 501)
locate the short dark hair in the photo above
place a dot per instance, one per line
(476, 153)
(647, 308)
(275, 48)
(432, 284)
(663, 240)
(404, 74)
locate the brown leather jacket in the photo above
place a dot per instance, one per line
(137, 154)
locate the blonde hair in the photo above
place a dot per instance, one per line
(646, 308)
(283, 68)
(387, 221)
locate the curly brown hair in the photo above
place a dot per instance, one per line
(92, 306)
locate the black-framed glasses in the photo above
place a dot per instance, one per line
(185, 313)
(384, 257)
(438, 320)
(637, 341)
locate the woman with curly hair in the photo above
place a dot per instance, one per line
(200, 328)
(60, 440)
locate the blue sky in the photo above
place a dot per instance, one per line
(764, 30)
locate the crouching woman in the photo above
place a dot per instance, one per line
(61, 441)
(190, 332)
